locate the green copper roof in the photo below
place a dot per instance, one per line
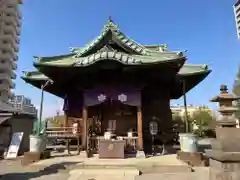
(186, 70)
(135, 54)
(119, 36)
(34, 75)
(113, 45)
(71, 60)
(190, 69)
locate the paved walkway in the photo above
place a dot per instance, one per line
(67, 168)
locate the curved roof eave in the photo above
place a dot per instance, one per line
(123, 58)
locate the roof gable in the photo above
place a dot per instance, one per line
(112, 36)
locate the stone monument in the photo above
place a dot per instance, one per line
(224, 157)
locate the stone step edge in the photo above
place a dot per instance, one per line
(124, 172)
(122, 166)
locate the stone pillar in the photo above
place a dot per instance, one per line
(140, 152)
(224, 157)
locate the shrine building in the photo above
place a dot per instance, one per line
(115, 84)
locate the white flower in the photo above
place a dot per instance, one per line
(101, 97)
(122, 97)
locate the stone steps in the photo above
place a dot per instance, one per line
(100, 177)
(104, 174)
(118, 172)
(142, 168)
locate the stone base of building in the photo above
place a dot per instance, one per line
(193, 159)
(31, 157)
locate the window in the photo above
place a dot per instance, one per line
(19, 98)
(1, 81)
(5, 42)
(3, 61)
(4, 51)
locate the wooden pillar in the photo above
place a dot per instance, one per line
(139, 128)
(84, 133)
(65, 119)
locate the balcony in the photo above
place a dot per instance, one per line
(13, 75)
(10, 20)
(15, 57)
(11, 39)
(6, 66)
(7, 78)
(13, 11)
(13, 85)
(7, 47)
(5, 87)
(14, 66)
(7, 56)
(8, 29)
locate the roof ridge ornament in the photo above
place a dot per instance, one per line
(110, 24)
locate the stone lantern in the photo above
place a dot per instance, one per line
(224, 157)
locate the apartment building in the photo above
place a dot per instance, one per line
(23, 105)
(10, 23)
(236, 8)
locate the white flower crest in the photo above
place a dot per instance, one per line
(101, 97)
(122, 97)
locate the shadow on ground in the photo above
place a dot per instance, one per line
(52, 169)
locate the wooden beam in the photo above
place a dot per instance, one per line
(84, 133)
(139, 128)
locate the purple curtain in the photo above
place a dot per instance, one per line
(73, 102)
(128, 96)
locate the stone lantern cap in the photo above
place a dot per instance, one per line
(224, 95)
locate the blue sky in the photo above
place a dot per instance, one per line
(205, 28)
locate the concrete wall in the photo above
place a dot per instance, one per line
(22, 124)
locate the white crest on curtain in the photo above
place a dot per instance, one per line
(101, 97)
(122, 97)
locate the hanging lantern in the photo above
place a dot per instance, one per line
(153, 128)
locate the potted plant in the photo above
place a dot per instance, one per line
(38, 139)
(188, 140)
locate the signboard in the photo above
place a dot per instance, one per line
(15, 144)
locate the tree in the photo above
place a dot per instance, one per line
(56, 121)
(236, 91)
(201, 119)
(178, 122)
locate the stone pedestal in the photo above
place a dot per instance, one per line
(193, 159)
(31, 157)
(224, 158)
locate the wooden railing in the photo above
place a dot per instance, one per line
(130, 144)
(62, 132)
(65, 133)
